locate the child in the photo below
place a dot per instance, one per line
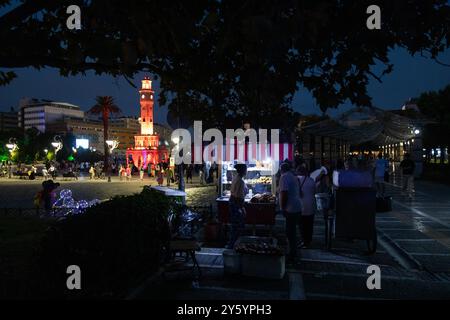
(128, 173)
(160, 178)
(141, 173)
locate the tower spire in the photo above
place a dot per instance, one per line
(146, 102)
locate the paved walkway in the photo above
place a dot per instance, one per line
(413, 254)
(19, 193)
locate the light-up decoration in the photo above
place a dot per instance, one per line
(12, 145)
(66, 205)
(112, 144)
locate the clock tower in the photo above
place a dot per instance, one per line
(146, 100)
(147, 149)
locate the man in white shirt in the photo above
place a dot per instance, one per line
(381, 167)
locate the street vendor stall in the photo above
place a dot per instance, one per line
(260, 202)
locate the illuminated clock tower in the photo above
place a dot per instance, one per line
(146, 100)
(147, 149)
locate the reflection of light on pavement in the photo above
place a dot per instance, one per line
(419, 225)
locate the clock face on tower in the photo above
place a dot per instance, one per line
(147, 96)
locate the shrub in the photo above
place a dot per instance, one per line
(114, 244)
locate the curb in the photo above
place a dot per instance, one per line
(405, 259)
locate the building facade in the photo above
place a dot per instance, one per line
(40, 113)
(88, 133)
(8, 121)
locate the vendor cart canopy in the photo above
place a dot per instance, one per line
(370, 124)
(247, 152)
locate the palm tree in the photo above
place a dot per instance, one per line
(105, 106)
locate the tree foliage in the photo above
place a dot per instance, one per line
(436, 105)
(227, 60)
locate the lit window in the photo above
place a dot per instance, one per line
(143, 96)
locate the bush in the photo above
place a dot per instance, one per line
(114, 243)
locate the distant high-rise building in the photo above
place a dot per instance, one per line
(8, 120)
(40, 113)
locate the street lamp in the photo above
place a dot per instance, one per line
(112, 144)
(57, 144)
(12, 145)
(181, 186)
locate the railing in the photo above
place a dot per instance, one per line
(36, 212)
(204, 211)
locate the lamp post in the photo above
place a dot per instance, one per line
(112, 144)
(181, 185)
(57, 144)
(415, 148)
(12, 146)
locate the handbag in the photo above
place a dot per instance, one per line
(386, 176)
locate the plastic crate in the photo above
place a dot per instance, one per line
(263, 266)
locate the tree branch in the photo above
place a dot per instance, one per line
(375, 76)
(24, 11)
(37, 61)
(441, 63)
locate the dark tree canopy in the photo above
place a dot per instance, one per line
(227, 60)
(436, 105)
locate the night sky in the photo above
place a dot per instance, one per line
(411, 76)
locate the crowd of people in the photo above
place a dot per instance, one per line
(297, 187)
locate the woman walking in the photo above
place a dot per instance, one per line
(141, 173)
(381, 170)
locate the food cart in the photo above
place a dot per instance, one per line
(262, 166)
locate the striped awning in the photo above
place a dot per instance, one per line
(244, 152)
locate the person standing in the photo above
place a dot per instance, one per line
(120, 172)
(291, 206)
(48, 195)
(160, 178)
(169, 176)
(141, 173)
(237, 212)
(128, 173)
(149, 170)
(206, 171)
(91, 173)
(211, 175)
(408, 167)
(381, 169)
(201, 175)
(189, 169)
(308, 200)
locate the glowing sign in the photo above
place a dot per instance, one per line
(82, 143)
